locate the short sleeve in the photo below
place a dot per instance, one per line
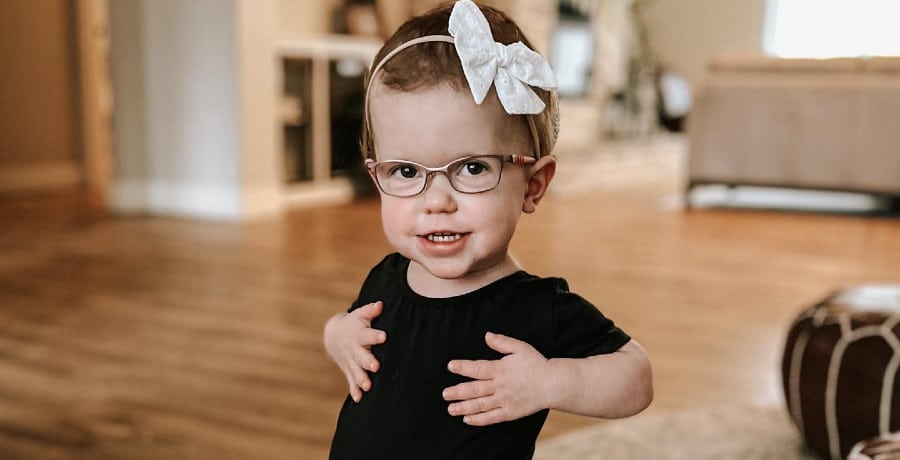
(580, 329)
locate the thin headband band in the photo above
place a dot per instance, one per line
(403, 46)
(426, 39)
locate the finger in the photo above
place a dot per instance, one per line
(360, 378)
(505, 344)
(373, 337)
(370, 311)
(486, 418)
(479, 370)
(366, 360)
(469, 390)
(473, 406)
(355, 392)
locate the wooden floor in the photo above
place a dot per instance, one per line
(151, 338)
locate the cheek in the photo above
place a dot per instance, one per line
(501, 213)
(513, 189)
(393, 216)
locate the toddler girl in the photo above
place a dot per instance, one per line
(451, 350)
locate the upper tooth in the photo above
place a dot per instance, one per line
(443, 237)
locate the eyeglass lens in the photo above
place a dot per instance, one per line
(466, 175)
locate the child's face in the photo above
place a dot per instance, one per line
(433, 127)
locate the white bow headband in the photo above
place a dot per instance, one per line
(511, 68)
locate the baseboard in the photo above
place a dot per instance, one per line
(39, 176)
(128, 196)
(190, 200)
(262, 201)
(304, 195)
(176, 199)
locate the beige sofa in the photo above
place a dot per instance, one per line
(822, 124)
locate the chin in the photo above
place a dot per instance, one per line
(446, 270)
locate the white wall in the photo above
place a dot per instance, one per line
(191, 88)
(194, 94)
(688, 33)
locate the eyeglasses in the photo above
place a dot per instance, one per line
(473, 174)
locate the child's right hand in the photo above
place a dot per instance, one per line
(349, 338)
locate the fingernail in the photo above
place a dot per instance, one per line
(466, 419)
(489, 335)
(445, 394)
(451, 366)
(451, 409)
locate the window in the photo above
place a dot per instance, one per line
(831, 28)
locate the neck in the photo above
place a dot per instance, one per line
(426, 284)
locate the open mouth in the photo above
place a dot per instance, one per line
(443, 237)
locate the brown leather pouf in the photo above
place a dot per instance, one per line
(840, 368)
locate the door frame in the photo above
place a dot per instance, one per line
(95, 94)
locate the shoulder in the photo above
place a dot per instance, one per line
(554, 293)
(575, 327)
(523, 288)
(389, 266)
(543, 299)
(390, 270)
(547, 291)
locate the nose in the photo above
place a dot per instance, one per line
(439, 195)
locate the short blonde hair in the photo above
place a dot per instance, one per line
(429, 64)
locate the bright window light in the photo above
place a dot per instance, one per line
(832, 28)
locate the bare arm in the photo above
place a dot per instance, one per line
(523, 382)
(608, 386)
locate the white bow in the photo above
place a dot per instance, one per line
(510, 67)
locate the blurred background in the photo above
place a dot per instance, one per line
(182, 204)
(101, 93)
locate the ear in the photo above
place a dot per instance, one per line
(541, 174)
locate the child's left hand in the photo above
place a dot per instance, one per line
(506, 389)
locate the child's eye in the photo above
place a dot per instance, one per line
(475, 167)
(405, 171)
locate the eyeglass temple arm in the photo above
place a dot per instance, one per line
(521, 160)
